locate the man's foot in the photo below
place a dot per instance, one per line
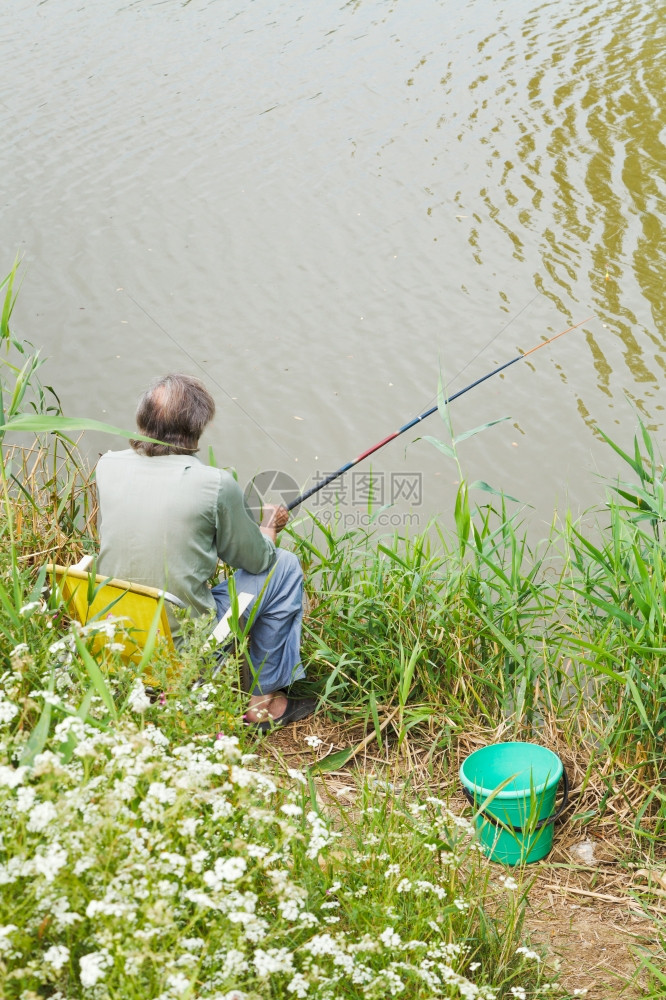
(294, 710)
(264, 707)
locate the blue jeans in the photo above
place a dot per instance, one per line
(275, 636)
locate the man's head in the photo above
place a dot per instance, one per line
(175, 409)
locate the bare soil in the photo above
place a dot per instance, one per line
(588, 898)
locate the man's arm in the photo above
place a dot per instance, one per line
(240, 542)
(273, 520)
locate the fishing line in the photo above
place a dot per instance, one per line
(391, 437)
(401, 430)
(208, 375)
(492, 340)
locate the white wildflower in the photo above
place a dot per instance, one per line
(106, 907)
(71, 725)
(178, 983)
(290, 908)
(273, 960)
(198, 860)
(157, 796)
(49, 864)
(156, 736)
(5, 932)
(57, 956)
(242, 776)
(298, 985)
(161, 793)
(253, 928)
(222, 809)
(173, 862)
(187, 958)
(320, 835)
(296, 775)
(192, 944)
(508, 882)
(48, 762)
(61, 646)
(461, 904)
(291, 809)
(40, 816)
(322, 944)
(50, 697)
(390, 938)
(225, 870)
(8, 710)
(84, 864)
(18, 650)
(188, 826)
(11, 777)
(138, 700)
(314, 742)
(108, 626)
(527, 953)
(25, 799)
(93, 966)
(392, 870)
(27, 609)
(228, 746)
(518, 992)
(62, 915)
(392, 982)
(256, 851)
(234, 964)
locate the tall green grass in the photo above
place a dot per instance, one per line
(472, 628)
(425, 637)
(477, 629)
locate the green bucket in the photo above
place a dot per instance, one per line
(513, 788)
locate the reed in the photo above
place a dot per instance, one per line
(432, 642)
(480, 629)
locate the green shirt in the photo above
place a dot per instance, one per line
(166, 520)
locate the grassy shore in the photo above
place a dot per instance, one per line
(157, 850)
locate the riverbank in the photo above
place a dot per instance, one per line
(157, 849)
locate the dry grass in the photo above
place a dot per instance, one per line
(54, 502)
(590, 900)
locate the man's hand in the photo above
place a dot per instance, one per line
(274, 519)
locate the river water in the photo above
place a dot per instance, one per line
(320, 207)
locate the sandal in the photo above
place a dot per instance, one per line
(297, 709)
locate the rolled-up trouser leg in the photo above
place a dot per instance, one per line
(275, 636)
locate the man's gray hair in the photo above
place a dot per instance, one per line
(175, 409)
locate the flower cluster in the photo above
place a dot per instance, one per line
(135, 862)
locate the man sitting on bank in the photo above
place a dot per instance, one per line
(165, 521)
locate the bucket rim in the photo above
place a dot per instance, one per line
(480, 790)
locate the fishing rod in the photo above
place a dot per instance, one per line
(417, 420)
